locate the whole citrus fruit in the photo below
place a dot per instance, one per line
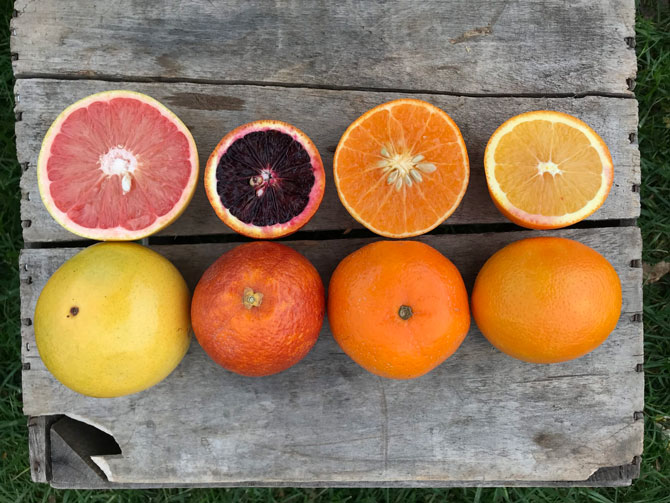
(113, 320)
(398, 308)
(546, 299)
(258, 309)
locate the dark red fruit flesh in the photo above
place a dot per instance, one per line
(265, 178)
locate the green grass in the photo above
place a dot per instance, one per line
(653, 93)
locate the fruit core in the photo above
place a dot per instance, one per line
(402, 167)
(548, 167)
(119, 161)
(265, 178)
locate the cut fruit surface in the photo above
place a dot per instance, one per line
(265, 179)
(401, 168)
(117, 165)
(547, 170)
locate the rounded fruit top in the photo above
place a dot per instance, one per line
(546, 299)
(113, 320)
(398, 308)
(258, 309)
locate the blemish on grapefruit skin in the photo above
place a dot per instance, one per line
(74, 310)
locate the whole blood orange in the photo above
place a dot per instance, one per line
(117, 165)
(265, 179)
(398, 308)
(547, 169)
(258, 309)
(401, 168)
(546, 299)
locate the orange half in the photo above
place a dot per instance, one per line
(401, 168)
(547, 170)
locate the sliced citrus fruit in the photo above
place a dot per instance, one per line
(547, 169)
(265, 179)
(117, 165)
(401, 168)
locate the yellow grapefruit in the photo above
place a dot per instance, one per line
(113, 320)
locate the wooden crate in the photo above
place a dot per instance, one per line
(481, 418)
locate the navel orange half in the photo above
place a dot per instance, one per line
(547, 170)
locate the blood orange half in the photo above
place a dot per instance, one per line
(265, 179)
(117, 165)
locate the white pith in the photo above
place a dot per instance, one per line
(119, 162)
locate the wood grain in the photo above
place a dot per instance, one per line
(462, 47)
(480, 418)
(210, 111)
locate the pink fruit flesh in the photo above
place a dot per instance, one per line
(118, 163)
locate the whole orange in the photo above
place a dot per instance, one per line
(546, 299)
(258, 309)
(398, 308)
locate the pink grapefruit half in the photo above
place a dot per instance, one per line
(265, 179)
(117, 166)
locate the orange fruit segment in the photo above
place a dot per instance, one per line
(401, 168)
(547, 170)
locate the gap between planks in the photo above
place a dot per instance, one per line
(295, 85)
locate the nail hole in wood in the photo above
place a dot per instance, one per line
(26, 366)
(14, 56)
(632, 137)
(27, 281)
(19, 116)
(638, 415)
(25, 196)
(15, 13)
(630, 42)
(26, 223)
(636, 188)
(27, 322)
(631, 84)
(636, 318)
(636, 263)
(639, 367)
(24, 166)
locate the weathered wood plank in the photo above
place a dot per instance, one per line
(39, 447)
(211, 111)
(480, 418)
(460, 47)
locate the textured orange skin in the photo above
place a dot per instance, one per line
(366, 291)
(546, 299)
(268, 338)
